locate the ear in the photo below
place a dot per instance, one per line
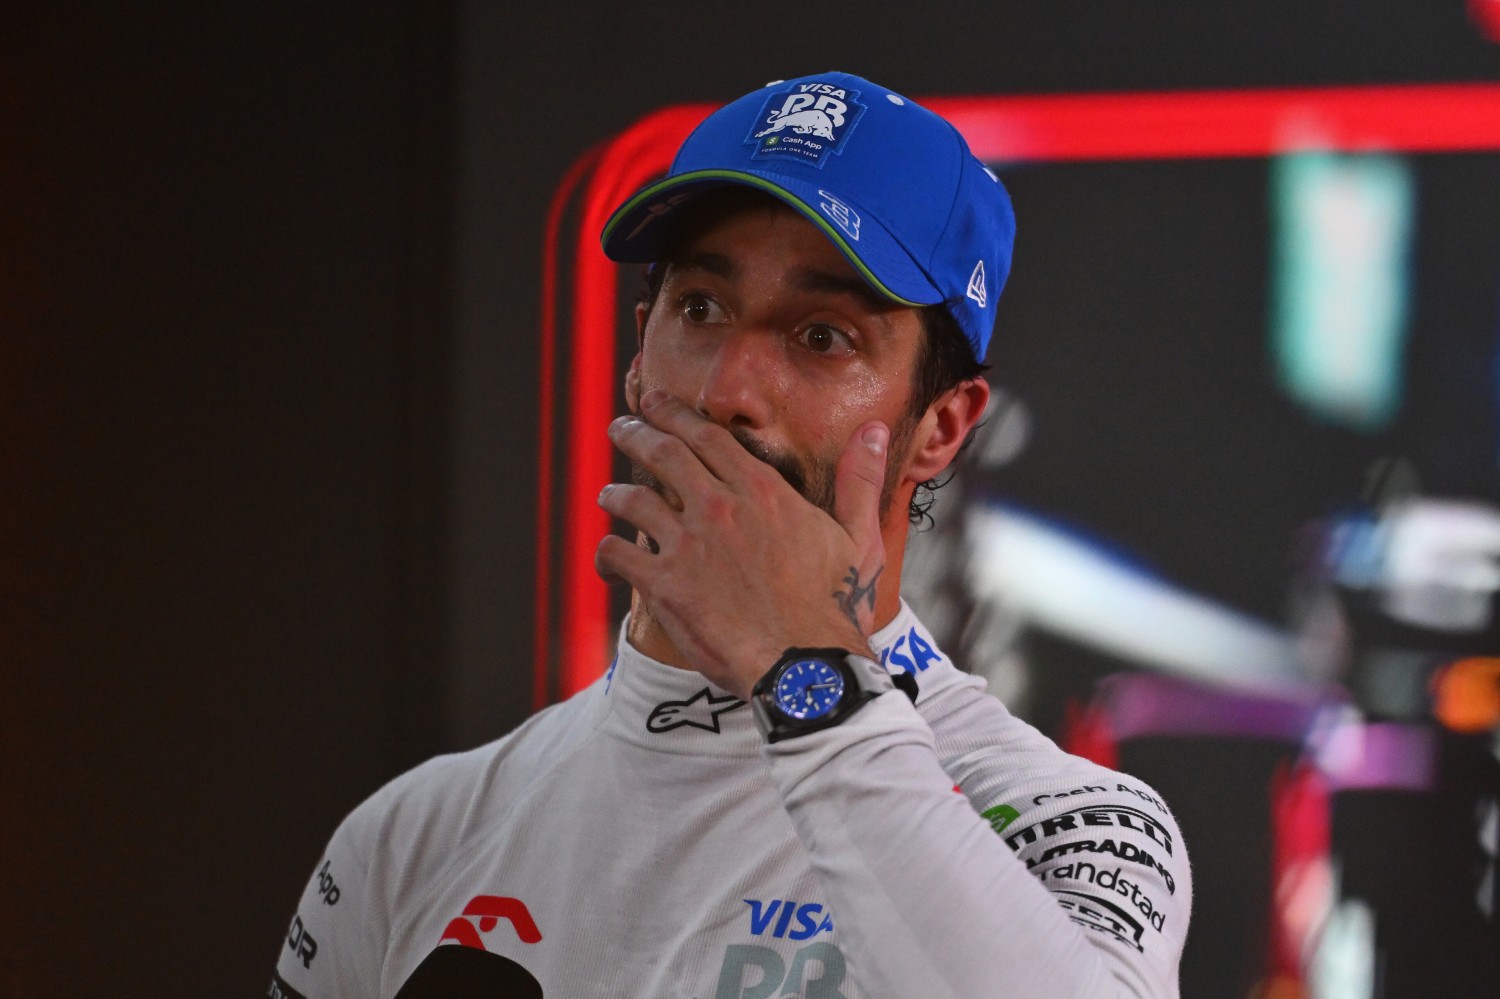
(944, 428)
(633, 385)
(642, 313)
(633, 375)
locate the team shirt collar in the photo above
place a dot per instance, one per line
(675, 710)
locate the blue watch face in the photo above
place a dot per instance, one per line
(808, 688)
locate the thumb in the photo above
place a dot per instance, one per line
(858, 484)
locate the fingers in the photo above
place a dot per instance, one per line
(642, 509)
(617, 560)
(688, 454)
(859, 483)
(715, 448)
(669, 460)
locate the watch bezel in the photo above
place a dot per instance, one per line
(777, 724)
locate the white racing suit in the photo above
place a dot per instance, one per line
(642, 840)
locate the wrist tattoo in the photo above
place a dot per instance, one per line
(850, 599)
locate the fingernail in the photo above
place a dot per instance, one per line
(874, 438)
(605, 491)
(653, 399)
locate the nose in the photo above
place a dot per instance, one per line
(740, 382)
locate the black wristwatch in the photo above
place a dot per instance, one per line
(813, 689)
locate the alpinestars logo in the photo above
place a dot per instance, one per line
(809, 121)
(702, 710)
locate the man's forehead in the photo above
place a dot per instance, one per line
(710, 210)
(720, 239)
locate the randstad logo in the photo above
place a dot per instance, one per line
(777, 914)
(809, 121)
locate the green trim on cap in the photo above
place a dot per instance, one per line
(752, 180)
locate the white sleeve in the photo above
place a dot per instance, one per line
(930, 901)
(334, 947)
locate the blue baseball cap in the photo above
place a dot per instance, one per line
(892, 184)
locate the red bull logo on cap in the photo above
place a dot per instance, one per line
(808, 121)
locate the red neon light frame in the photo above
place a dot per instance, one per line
(1486, 15)
(1416, 119)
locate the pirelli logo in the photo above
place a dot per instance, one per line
(1089, 819)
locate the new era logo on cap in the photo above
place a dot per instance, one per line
(976, 285)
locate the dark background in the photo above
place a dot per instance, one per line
(268, 300)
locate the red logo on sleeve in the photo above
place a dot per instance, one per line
(486, 911)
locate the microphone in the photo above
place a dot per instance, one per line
(457, 972)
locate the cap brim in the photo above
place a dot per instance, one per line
(639, 227)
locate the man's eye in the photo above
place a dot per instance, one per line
(698, 309)
(823, 339)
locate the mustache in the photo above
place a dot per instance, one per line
(784, 463)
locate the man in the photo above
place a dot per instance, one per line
(827, 258)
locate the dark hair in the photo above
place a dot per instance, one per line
(944, 359)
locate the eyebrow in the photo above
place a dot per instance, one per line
(812, 280)
(714, 263)
(805, 279)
